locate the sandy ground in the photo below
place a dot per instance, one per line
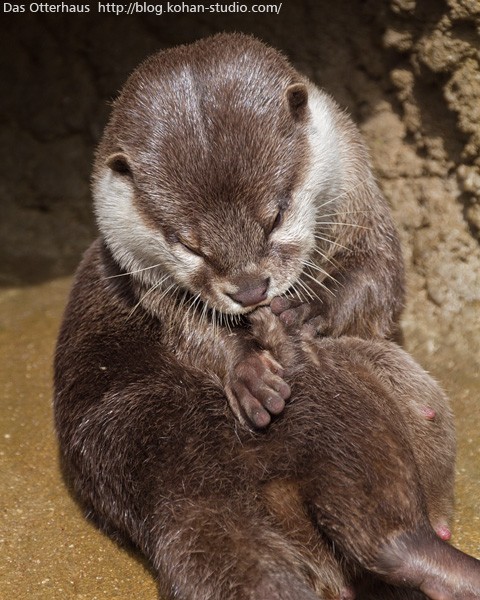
(48, 550)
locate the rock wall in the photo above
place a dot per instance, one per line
(407, 70)
(436, 74)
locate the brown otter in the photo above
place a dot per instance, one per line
(224, 180)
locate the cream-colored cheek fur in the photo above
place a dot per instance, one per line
(323, 180)
(135, 245)
(325, 172)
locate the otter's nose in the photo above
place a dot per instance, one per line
(252, 292)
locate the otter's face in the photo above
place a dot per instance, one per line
(213, 189)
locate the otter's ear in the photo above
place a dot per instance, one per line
(297, 98)
(118, 162)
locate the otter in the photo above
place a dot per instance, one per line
(226, 132)
(247, 257)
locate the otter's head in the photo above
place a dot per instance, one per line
(210, 170)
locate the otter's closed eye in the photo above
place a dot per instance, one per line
(189, 248)
(174, 238)
(277, 221)
(279, 216)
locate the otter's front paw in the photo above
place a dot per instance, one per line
(297, 315)
(256, 389)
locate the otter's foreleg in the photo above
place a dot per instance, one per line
(364, 297)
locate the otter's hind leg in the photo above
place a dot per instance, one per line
(362, 481)
(427, 415)
(211, 548)
(328, 573)
(176, 479)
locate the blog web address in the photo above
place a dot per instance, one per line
(162, 8)
(132, 8)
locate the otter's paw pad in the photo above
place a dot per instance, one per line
(256, 390)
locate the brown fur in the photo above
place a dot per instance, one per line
(220, 132)
(337, 485)
(222, 511)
